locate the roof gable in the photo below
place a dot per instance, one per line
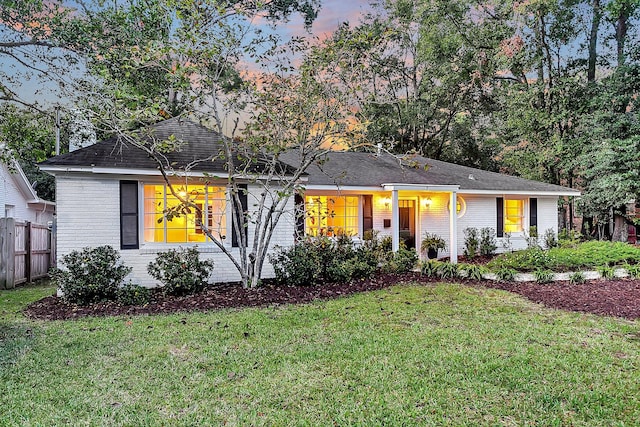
(198, 149)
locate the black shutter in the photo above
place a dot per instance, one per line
(129, 215)
(299, 207)
(500, 212)
(239, 217)
(533, 212)
(367, 213)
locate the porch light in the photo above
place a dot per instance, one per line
(387, 202)
(427, 202)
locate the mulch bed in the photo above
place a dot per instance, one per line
(619, 298)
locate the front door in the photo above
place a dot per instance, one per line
(407, 222)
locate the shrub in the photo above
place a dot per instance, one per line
(506, 274)
(543, 276)
(90, 275)
(606, 271)
(321, 259)
(532, 237)
(471, 242)
(507, 245)
(577, 278)
(132, 294)
(401, 262)
(550, 240)
(488, 244)
(180, 271)
(473, 271)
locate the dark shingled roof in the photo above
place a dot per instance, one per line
(340, 168)
(199, 143)
(368, 169)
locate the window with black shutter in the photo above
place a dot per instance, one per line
(129, 229)
(500, 215)
(533, 212)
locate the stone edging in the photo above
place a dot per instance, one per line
(588, 275)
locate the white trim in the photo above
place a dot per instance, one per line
(569, 192)
(344, 188)
(419, 187)
(149, 172)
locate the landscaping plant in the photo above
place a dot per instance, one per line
(488, 244)
(577, 278)
(90, 275)
(471, 242)
(180, 271)
(505, 274)
(473, 271)
(132, 294)
(543, 276)
(607, 272)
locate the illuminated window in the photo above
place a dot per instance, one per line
(182, 228)
(331, 216)
(513, 216)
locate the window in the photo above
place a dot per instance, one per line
(513, 216)
(331, 216)
(158, 200)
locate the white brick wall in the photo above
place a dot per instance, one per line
(89, 215)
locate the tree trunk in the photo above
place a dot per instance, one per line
(593, 41)
(621, 34)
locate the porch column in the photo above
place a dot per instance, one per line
(453, 228)
(395, 221)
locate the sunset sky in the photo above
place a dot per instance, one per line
(331, 15)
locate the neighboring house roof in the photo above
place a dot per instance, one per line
(21, 182)
(198, 144)
(355, 169)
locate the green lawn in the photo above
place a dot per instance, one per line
(407, 355)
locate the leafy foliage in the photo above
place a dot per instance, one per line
(577, 278)
(181, 271)
(401, 261)
(471, 242)
(133, 294)
(585, 255)
(488, 243)
(322, 259)
(505, 274)
(90, 275)
(543, 276)
(473, 271)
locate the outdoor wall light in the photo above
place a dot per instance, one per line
(427, 202)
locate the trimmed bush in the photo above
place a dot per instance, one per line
(90, 275)
(402, 261)
(132, 294)
(323, 260)
(181, 272)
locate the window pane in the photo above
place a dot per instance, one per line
(183, 227)
(513, 216)
(331, 215)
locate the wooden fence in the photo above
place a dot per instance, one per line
(27, 252)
